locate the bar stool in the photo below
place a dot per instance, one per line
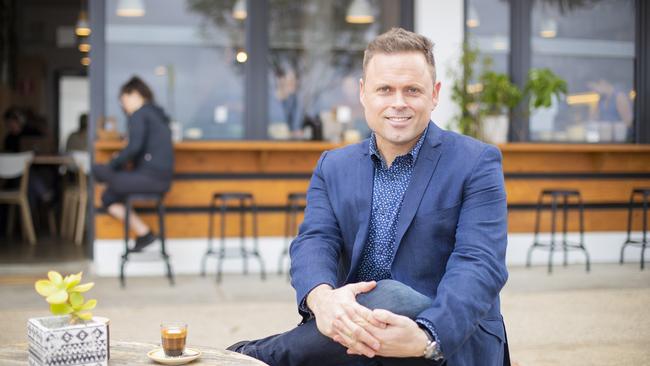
(160, 210)
(559, 200)
(243, 202)
(295, 203)
(644, 193)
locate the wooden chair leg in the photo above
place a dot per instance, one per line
(27, 221)
(81, 220)
(11, 220)
(65, 211)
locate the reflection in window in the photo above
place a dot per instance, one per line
(316, 54)
(187, 51)
(591, 46)
(488, 29)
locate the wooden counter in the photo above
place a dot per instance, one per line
(605, 175)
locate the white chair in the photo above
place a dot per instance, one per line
(75, 200)
(12, 166)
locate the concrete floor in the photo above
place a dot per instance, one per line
(568, 318)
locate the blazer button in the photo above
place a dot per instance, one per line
(147, 157)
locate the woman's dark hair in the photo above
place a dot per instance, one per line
(136, 84)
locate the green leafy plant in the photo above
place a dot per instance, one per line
(460, 94)
(541, 86)
(498, 94)
(65, 295)
(494, 94)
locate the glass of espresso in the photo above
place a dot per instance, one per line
(173, 336)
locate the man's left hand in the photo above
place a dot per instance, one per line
(401, 337)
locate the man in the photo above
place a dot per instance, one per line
(78, 140)
(401, 256)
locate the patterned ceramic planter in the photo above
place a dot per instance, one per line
(54, 342)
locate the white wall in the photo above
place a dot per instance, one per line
(442, 22)
(74, 100)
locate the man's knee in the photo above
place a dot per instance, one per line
(396, 297)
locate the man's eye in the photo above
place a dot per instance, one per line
(413, 90)
(383, 89)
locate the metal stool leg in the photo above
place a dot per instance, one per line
(629, 227)
(125, 256)
(552, 247)
(163, 250)
(565, 222)
(255, 242)
(645, 229)
(540, 202)
(209, 251)
(582, 233)
(222, 243)
(242, 234)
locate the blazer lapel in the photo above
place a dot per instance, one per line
(365, 175)
(425, 165)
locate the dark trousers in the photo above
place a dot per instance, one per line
(120, 183)
(305, 345)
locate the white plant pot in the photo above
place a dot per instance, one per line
(494, 129)
(53, 341)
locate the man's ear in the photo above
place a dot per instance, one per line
(436, 94)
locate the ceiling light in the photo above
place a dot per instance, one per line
(360, 12)
(85, 61)
(239, 10)
(473, 20)
(130, 8)
(241, 57)
(82, 29)
(84, 46)
(549, 28)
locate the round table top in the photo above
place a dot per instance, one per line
(135, 353)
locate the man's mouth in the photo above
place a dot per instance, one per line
(398, 119)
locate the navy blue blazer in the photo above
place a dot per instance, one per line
(451, 237)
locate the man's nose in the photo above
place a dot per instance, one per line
(398, 101)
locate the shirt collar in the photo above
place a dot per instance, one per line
(413, 154)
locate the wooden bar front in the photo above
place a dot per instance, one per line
(604, 174)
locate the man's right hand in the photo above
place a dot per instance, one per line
(330, 305)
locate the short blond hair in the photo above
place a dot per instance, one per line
(398, 40)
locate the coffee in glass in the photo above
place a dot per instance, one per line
(173, 336)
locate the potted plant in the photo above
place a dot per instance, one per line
(484, 105)
(72, 336)
(497, 97)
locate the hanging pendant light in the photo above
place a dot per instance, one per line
(84, 45)
(239, 10)
(130, 8)
(473, 20)
(82, 28)
(360, 12)
(549, 28)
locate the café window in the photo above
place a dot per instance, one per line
(316, 56)
(589, 44)
(591, 47)
(193, 55)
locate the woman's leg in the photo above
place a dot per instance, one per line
(118, 211)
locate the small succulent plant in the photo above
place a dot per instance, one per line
(65, 295)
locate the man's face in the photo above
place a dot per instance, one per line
(398, 96)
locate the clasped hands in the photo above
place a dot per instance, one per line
(361, 330)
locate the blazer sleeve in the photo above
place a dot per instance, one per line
(476, 270)
(137, 137)
(316, 250)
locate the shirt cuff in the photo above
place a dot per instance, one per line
(431, 329)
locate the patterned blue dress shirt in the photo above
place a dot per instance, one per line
(389, 186)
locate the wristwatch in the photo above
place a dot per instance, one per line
(432, 351)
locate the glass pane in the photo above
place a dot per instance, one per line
(185, 50)
(316, 58)
(488, 29)
(591, 46)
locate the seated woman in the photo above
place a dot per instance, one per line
(149, 152)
